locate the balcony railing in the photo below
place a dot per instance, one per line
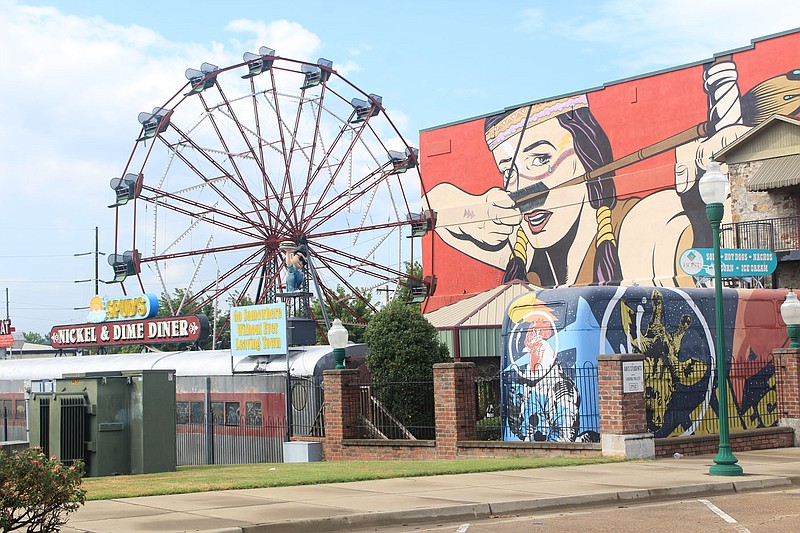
(776, 234)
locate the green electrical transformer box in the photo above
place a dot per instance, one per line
(115, 422)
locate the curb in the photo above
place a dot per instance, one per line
(487, 510)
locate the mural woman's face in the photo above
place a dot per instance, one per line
(547, 155)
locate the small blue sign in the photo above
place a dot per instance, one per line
(734, 262)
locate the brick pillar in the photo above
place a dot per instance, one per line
(787, 383)
(341, 410)
(456, 410)
(623, 417)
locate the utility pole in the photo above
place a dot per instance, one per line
(387, 290)
(97, 253)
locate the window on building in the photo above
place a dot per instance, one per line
(181, 412)
(253, 414)
(218, 413)
(197, 413)
(20, 409)
(231, 413)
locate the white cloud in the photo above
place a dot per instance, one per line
(72, 90)
(532, 20)
(289, 39)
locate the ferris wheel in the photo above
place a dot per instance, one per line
(246, 158)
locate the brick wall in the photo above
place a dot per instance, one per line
(787, 361)
(456, 412)
(620, 413)
(754, 439)
(456, 415)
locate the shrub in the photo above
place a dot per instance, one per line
(38, 493)
(403, 347)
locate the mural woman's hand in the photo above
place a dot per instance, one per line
(693, 158)
(479, 225)
(497, 218)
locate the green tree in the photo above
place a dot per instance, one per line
(413, 271)
(355, 312)
(403, 347)
(168, 304)
(36, 338)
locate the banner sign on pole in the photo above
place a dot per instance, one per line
(734, 262)
(258, 329)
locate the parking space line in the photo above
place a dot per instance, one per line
(725, 516)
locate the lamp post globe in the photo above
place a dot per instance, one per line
(337, 337)
(790, 312)
(714, 189)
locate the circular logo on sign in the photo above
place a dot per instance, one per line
(691, 262)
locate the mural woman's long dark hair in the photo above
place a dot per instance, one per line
(594, 150)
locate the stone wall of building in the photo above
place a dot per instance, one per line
(756, 205)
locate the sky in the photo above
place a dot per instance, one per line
(77, 73)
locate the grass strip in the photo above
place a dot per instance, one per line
(250, 476)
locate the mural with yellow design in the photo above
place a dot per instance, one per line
(552, 337)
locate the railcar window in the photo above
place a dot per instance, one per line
(182, 412)
(252, 412)
(231, 413)
(218, 413)
(196, 413)
(20, 409)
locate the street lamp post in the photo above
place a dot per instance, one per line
(337, 337)
(790, 312)
(714, 190)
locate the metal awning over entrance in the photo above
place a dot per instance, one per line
(776, 173)
(472, 327)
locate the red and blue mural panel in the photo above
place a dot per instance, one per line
(552, 338)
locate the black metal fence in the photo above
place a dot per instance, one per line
(229, 437)
(308, 406)
(555, 404)
(487, 402)
(245, 418)
(681, 398)
(776, 234)
(397, 410)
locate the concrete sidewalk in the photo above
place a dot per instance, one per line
(347, 506)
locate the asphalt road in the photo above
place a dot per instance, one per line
(754, 512)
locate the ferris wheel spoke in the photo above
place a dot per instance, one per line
(193, 253)
(266, 183)
(230, 278)
(227, 199)
(324, 161)
(356, 263)
(200, 211)
(354, 291)
(343, 200)
(315, 168)
(357, 230)
(255, 203)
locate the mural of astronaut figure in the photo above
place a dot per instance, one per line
(543, 402)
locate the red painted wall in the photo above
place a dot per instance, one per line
(634, 114)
